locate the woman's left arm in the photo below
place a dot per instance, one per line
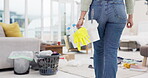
(130, 11)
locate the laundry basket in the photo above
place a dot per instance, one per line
(48, 65)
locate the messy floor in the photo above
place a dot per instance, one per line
(78, 68)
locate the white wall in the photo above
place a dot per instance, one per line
(140, 19)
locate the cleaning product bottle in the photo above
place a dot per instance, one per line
(68, 30)
(74, 28)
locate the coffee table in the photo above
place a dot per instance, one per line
(57, 48)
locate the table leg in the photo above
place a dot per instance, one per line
(144, 61)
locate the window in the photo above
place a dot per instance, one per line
(76, 11)
(34, 18)
(55, 19)
(47, 22)
(17, 12)
(1, 11)
(68, 14)
(46, 36)
(63, 18)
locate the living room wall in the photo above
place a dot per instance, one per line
(140, 16)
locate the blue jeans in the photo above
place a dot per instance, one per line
(112, 18)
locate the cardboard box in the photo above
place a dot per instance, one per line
(69, 56)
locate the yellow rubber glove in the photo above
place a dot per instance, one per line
(81, 37)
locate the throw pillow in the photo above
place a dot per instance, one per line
(11, 30)
(2, 34)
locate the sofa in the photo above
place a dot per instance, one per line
(9, 44)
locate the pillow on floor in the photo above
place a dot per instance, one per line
(11, 30)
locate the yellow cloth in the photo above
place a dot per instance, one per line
(128, 65)
(11, 30)
(81, 37)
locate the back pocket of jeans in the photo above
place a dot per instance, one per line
(120, 12)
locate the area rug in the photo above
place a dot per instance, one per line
(81, 71)
(141, 76)
(85, 72)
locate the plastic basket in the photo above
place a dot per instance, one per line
(48, 65)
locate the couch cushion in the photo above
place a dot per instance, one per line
(11, 30)
(2, 34)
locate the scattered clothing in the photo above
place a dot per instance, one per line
(90, 66)
(138, 68)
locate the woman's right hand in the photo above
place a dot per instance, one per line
(80, 23)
